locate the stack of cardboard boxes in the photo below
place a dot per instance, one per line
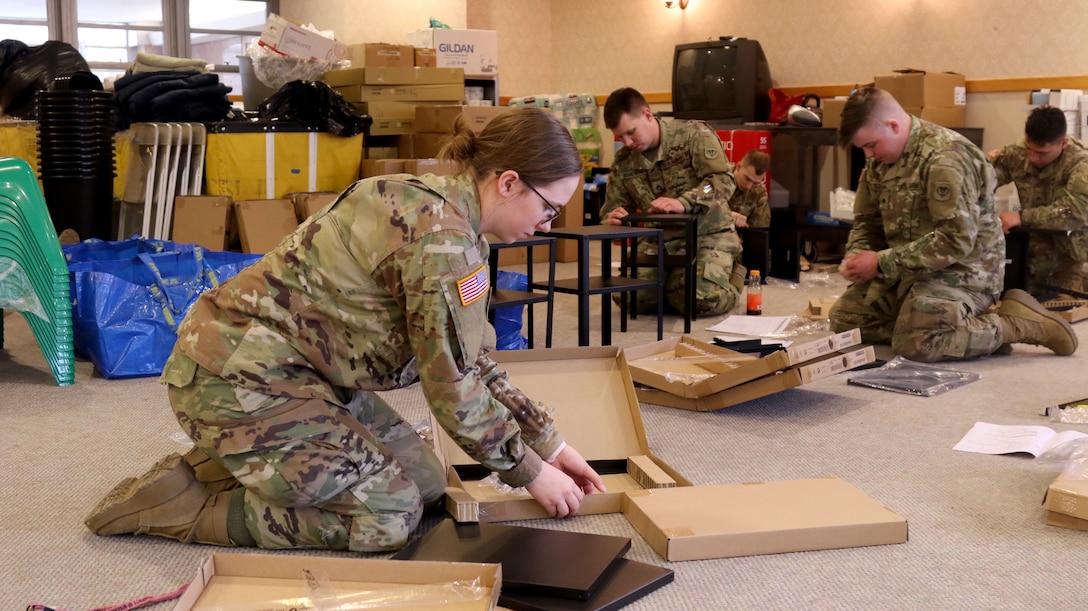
(940, 97)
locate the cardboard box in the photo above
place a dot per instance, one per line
(429, 144)
(818, 308)
(403, 93)
(426, 58)
(392, 127)
(309, 204)
(918, 88)
(832, 108)
(767, 385)
(287, 38)
(202, 219)
(597, 412)
(442, 118)
(382, 167)
(380, 54)
(439, 167)
(263, 223)
(1061, 520)
(394, 76)
(387, 110)
(730, 520)
(687, 367)
(252, 581)
(1068, 495)
(955, 116)
(476, 51)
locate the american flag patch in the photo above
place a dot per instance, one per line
(473, 286)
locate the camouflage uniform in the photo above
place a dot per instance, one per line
(1054, 197)
(930, 217)
(688, 165)
(274, 372)
(753, 204)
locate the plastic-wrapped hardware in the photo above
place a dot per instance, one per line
(908, 377)
(1073, 412)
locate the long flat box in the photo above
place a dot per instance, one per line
(767, 385)
(687, 367)
(387, 110)
(1072, 310)
(202, 219)
(442, 118)
(380, 54)
(597, 412)
(394, 76)
(287, 38)
(918, 88)
(1061, 520)
(476, 51)
(263, 223)
(264, 581)
(729, 520)
(452, 92)
(1068, 495)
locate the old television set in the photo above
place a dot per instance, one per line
(725, 81)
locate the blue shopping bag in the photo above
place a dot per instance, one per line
(129, 297)
(508, 320)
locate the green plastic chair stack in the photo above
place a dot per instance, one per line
(28, 237)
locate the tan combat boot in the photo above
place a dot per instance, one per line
(1024, 320)
(167, 501)
(739, 276)
(214, 476)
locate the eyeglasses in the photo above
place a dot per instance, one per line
(554, 212)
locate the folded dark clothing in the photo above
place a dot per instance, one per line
(152, 91)
(188, 104)
(126, 86)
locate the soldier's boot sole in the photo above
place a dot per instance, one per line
(1034, 324)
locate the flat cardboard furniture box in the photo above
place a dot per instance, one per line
(680, 365)
(442, 118)
(729, 520)
(202, 219)
(449, 92)
(596, 411)
(1072, 310)
(263, 223)
(394, 76)
(228, 581)
(380, 54)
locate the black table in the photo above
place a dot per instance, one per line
(586, 284)
(688, 260)
(501, 298)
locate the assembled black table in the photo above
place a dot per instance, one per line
(688, 261)
(604, 284)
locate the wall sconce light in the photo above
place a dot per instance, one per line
(683, 4)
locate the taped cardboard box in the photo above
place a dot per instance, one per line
(442, 118)
(476, 51)
(730, 520)
(263, 223)
(767, 385)
(269, 165)
(426, 58)
(403, 93)
(203, 220)
(380, 54)
(597, 412)
(687, 367)
(1068, 495)
(921, 89)
(264, 581)
(394, 76)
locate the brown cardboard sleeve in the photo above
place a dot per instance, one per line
(766, 385)
(203, 220)
(689, 368)
(378, 54)
(595, 409)
(917, 88)
(386, 75)
(263, 223)
(308, 204)
(1068, 495)
(729, 520)
(403, 93)
(246, 580)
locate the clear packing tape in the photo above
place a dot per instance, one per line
(16, 291)
(324, 597)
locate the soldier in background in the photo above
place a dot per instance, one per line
(1050, 171)
(274, 371)
(675, 167)
(926, 255)
(749, 203)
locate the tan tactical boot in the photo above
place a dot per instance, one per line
(214, 476)
(167, 501)
(739, 276)
(1024, 320)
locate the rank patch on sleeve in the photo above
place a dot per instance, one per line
(711, 153)
(942, 192)
(473, 286)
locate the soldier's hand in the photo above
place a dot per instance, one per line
(571, 462)
(1009, 220)
(560, 495)
(860, 266)
(614, 217)
(739, 219)
(666, 205)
